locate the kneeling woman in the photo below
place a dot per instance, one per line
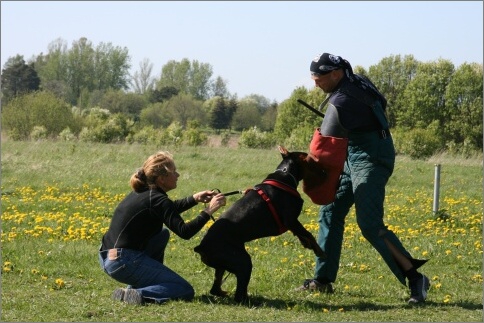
(133, 248)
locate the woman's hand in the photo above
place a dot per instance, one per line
(216, 203)
(203, 196)
(216, 200)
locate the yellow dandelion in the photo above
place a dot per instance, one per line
(59, 283)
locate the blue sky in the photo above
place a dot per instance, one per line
(257, 47)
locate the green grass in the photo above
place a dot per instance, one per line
(57, 199)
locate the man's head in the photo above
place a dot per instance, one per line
(325, 63)
(327, 70)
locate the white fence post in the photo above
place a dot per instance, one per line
(436, 188)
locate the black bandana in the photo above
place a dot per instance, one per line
(325, 63)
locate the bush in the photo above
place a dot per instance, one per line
(225, 138)
(22, 114)
(418, 143)
(175, 132)
(300, 138)
(253, 138)
(38, 133)
(67, 135)
(193, 137)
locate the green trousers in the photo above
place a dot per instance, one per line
(369, 164)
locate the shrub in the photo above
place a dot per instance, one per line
(22, 114)
(38, 133)
(175, 132)
(299, 139)
(225, 138)
(194, 137)
(67, 135)
(418, 143)
(253, 138)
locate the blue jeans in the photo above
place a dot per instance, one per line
(145, 271)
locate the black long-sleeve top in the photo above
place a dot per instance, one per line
(139, 216)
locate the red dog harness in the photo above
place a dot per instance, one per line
(264, 196)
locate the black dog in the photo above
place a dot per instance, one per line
(269, 209)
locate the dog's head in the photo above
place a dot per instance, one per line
(302, 166)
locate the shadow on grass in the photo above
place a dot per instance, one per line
(260, 301)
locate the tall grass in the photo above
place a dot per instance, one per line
(57, 199)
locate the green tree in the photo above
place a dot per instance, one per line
(463, 96)
(269, 117)
(142, 80)
(220, 88)
(156, 115)
(83, 69)
(163, 94)
(18, 78)
(117, 101)
(184, 107)
(425, 95)
(188, 77)
(291, 114)
(391, 76)
(219, 114)
(247, 116)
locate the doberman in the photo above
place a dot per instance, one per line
(269, 209)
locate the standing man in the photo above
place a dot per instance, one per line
(356, 111)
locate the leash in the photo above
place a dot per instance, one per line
(228, 193)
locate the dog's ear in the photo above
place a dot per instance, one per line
(283, 151)
(311, 158)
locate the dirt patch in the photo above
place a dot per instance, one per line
(216, 141)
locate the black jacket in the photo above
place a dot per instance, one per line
(141, 215)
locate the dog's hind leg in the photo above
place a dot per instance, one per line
(242, 270)
(216, 289)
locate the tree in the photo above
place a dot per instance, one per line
(142, 80)
(117, 101)
(18, 78)
(463, 96)
(184, 108)
(425, 95)
(292, 114)
(220, 88)
(188, 77)
(156, 115)
(391, 76)
(221, 113)
(247, 116)
(83, 68)
(163, 94)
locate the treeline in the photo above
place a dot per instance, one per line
(85, 92)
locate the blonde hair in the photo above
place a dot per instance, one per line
(158, 164)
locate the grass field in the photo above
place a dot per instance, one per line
(57, 199)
